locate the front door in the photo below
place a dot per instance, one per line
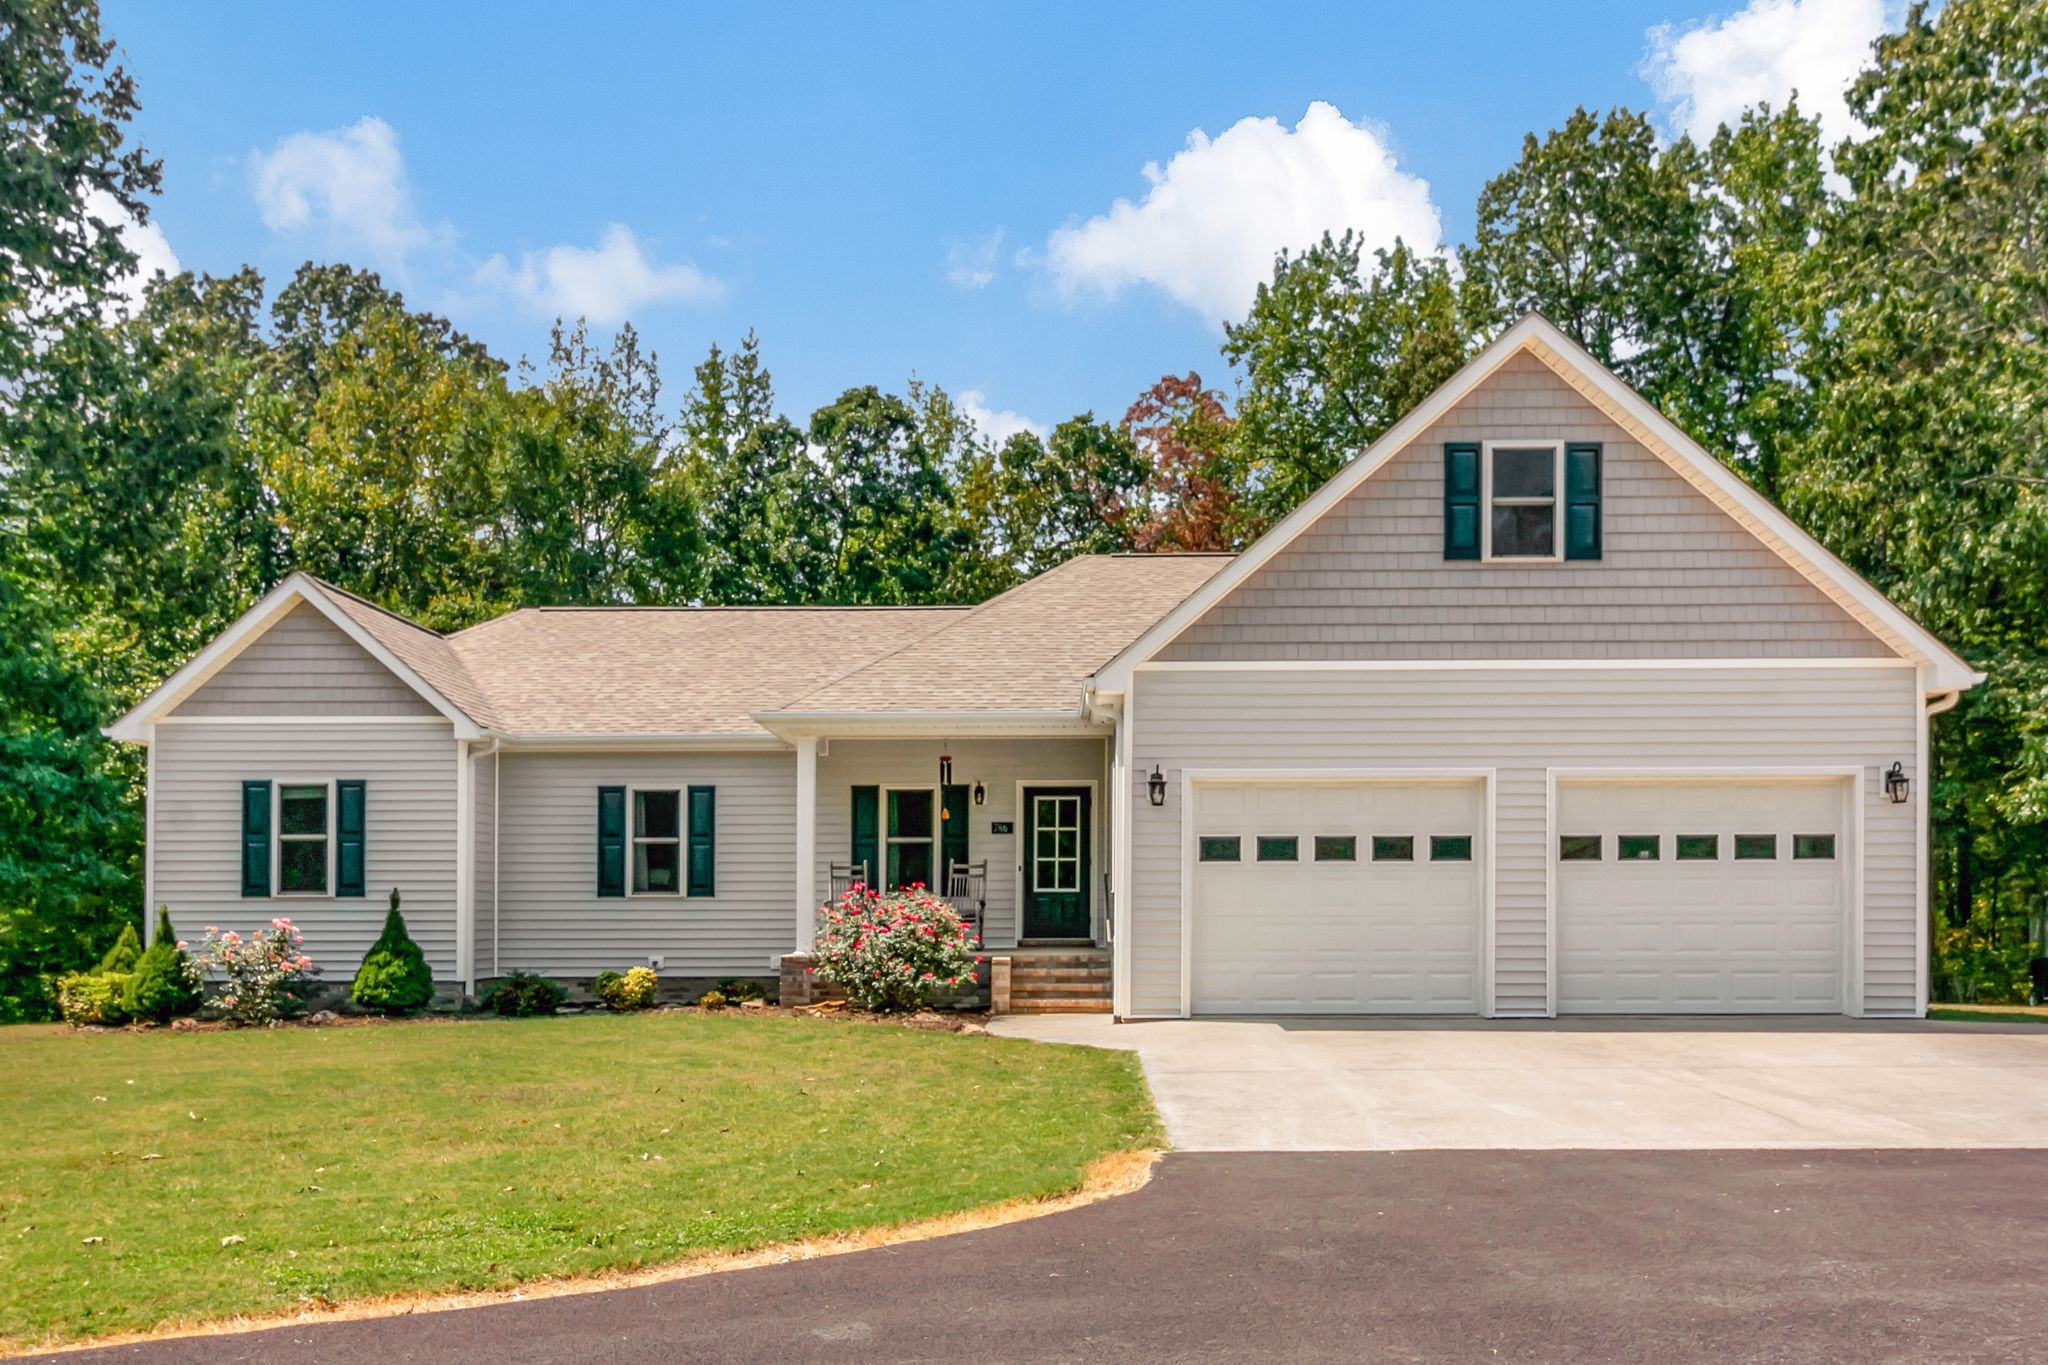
(1056, 862)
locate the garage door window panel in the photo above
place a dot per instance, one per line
(1279, 848)
(1813, 847)
(1450, 848)
(1756, 847)
(1336, 848)
(1579, 848)
(1638, 848)
(1699, 848)
(1393, 848)
(1221, 848)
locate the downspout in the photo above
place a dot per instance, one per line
(497, 770)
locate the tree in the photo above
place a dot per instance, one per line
(1033, 503)
(1191, 495)
(67, 179)
(1333, 352)
(1926, 461)
(891, 508)
(162, 987)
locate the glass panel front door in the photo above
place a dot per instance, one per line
(1056, 862)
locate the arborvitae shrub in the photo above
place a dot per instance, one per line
(126, 952)
(394, 977)
(163, 986)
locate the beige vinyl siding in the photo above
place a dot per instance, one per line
(1679, 577)
(550, 917)
(1522, 724)
(304, 665)
(409, 836)
(998, 764)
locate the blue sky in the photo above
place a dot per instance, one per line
(888, 190)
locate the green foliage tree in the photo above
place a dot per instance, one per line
(394, 977)
(891, 518)
(162, 987)
(1335, 350)
(1032, 503)
(1926, 460)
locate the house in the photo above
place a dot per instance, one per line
(1534, 708)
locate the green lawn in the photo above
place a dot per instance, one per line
(453, 1155)
(2003, 1014)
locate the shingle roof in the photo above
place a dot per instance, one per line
(710, 670)
(426, 653)
(672, 671)
(1029, 649)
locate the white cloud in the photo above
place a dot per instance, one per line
(1213, 218)
(1708, 74)
(153, 254)
(605, 283)
(996, 425)
(972, 265)
(348, 185)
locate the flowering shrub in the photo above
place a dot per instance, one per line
(896, 950)
(264, 971)
(633, 991)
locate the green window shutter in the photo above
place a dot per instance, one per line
(952, 832)
(1582, 501)
(1461, 500)
(348, 838)
(256, 838)
(611, 841)
(703, 842)
(867, 818)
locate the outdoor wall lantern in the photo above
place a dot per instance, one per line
(1896, 784)
(1155, 786)
(980, 794)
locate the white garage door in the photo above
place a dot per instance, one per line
(1701, 897)
(1337, 898)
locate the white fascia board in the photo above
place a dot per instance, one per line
(1782, 535)
(938, 724)
(1543, 339)
(250, 626)
(650, 742)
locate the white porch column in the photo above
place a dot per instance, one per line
(806, 840)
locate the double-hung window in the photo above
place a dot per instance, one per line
(305, 836)
(657, 842)
(1522, 479)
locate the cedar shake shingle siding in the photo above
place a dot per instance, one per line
(1679, 577)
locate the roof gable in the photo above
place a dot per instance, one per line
(1535, 337)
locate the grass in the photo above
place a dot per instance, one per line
(353, 1162)
(2003, 1014)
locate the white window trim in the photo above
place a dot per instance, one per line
(1555, 501)
(884, 839)
(277, 838)
(681, 841)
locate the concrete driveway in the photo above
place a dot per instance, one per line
(1231, 1085)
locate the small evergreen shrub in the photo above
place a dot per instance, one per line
(162, 987)
(896, 951)
(92, 998)
(522, 995)
(738, 988)
(711, 1000)
(633, 991)
(394, 977)
(126, 952)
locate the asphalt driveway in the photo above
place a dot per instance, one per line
(1515, 1256)
(1648, 1084)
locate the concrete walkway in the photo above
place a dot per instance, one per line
(1225, 1085)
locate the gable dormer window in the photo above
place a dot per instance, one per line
(1521, 483)
(1521, 501)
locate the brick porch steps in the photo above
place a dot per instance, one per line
(1059, 981)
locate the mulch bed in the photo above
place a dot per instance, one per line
(926, 1021)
